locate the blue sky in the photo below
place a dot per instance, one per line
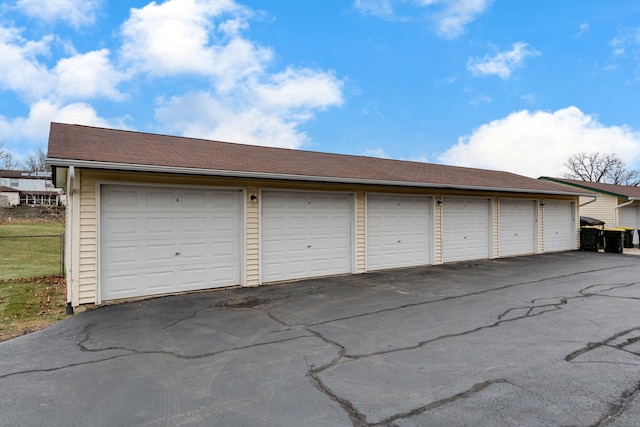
(517, 86)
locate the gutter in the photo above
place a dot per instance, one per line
(288, 177)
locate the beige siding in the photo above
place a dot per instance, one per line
(88, 262)
(602, 208)
(83, 265)
(361, 232)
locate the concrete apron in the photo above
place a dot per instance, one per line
(541, 340)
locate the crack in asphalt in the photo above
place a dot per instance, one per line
(133, 352)
(454, 297)
(476, 388)
(359, 419)
(617, 408)
(606, 342)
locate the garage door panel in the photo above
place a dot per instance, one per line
(155, 240)
(517, 227)
(303, 232)
(398, 231)
(465, 229)
(559, 226)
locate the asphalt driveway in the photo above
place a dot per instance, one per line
(544, 340)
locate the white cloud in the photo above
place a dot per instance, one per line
(502, 64)
(87, 75)
(180, 36)
(81, 76)
(202, 115)
(299, 89)
(32, 131)
(539, 143)
(450, 16)
(451, 22)
(246, 101)
(20, 70)
(78, 13)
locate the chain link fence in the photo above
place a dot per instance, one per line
(24, 257)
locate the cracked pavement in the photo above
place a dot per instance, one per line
(548, 340)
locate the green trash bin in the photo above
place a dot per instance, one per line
(589, 237)
(628, 236)
(613, 240)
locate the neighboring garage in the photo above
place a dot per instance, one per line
(466, 228)
(559, 225)
(306, 234)
(399, 231)
(155, 214)
(157, 240)
(518, 227)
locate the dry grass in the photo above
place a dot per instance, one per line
(28, 305)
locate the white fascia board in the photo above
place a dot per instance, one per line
(89, 164)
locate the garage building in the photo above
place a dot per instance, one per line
(154, 214)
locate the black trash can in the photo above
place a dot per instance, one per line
(613, 240)
(589, 237)
(628, 236)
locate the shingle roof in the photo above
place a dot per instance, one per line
(126, 150)
(624, 191)
(4, 189)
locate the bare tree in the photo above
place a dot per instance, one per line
(36, 162)
(601, 167)
(6, 159)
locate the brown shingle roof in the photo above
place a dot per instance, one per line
(118, 149)
(4, 189)
(612, 189)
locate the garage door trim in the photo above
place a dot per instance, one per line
(353, 261)
(242, 264)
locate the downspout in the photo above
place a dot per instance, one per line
(70, 185)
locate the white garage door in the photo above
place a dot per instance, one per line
(465, 229)
(629, 218)
(156, 240)
(517, 227)
(559, 230)
(305, 235)
(398, 231)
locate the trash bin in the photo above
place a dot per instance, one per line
(613, 240)
(589, 237)
(628, 236)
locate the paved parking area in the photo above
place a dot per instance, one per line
(543, 340)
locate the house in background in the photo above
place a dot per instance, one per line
(154, 214)
(9, 197)
(34, 188)
(616, 205)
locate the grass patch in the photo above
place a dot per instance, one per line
(24, 257)
(29, 305)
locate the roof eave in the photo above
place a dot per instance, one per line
(91, 164)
